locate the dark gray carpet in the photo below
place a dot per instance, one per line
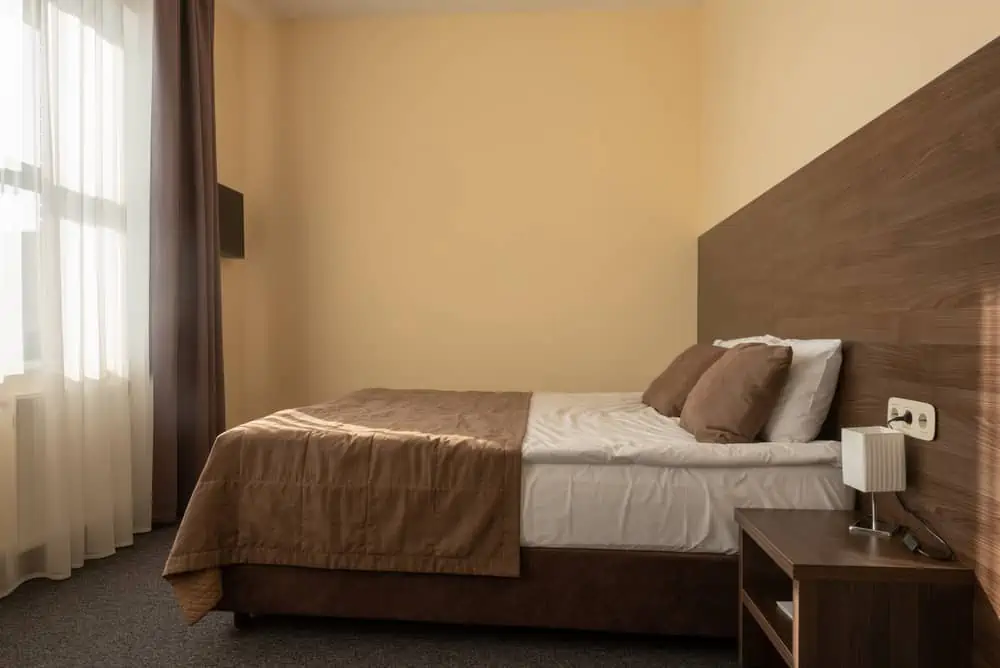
(119, 612)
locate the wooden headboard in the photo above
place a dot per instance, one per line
(891, 241)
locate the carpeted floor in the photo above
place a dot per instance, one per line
(119, 612)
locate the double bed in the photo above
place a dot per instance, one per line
(625, 524)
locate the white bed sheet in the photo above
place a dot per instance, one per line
(617, 428)
(604, 471)
(609, 506)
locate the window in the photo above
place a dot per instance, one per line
(66, 114)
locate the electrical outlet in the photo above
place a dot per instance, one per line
(924, 418)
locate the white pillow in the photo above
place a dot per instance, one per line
(812, 381)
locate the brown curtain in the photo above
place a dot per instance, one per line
(186, 322)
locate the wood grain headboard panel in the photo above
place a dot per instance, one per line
(891, 241)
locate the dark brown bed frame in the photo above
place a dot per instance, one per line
(890, 241)
(599, 590)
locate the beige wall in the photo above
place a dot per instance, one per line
(230, 86)
(246, 71)
(784, 80)
(490, 200)
(512, 200)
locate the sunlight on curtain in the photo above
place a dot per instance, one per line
(15, 207)
(75, 424)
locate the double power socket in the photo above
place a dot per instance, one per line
(923, 418)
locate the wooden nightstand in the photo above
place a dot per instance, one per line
(860, 602)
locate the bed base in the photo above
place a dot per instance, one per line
(663, 593)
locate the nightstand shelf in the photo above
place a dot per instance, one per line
(775, 625)
(860, 602)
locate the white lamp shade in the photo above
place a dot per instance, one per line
(874, 459)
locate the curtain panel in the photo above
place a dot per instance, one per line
(188, 387)
(75, 387)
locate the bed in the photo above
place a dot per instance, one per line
(626, 524)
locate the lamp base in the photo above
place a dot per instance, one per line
(866, 527)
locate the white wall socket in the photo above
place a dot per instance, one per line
(924, 423)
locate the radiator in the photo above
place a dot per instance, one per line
(20, 452)
(27, 422)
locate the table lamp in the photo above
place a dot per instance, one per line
(874, 460)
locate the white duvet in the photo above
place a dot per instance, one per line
(604, 471)
(617, 428)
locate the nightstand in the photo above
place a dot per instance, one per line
(859, 601)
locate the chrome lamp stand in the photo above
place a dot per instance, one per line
(870, 526)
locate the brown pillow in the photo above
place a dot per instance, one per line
(671, 388)
(733, 400)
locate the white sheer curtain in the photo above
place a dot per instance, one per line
(75, 423)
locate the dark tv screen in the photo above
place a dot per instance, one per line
(230, 222)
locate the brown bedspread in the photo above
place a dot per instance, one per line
(395, 480)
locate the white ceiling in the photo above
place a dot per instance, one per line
(306, 8)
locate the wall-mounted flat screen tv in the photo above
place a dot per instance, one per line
(230, 222)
